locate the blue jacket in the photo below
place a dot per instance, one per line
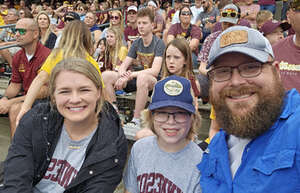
(270, 162)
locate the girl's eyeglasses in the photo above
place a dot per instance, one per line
(114, 17)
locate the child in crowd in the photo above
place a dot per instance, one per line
(167, 162)
(262, 17)
(116, 52)
(99, 54)
(177, 60)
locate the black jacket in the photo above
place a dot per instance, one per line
(34, 143)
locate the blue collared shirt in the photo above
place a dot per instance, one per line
(270, 162)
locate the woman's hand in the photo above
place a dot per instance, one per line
(20, 115)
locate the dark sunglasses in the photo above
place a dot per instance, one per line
(229, 14)
(69, 19)
(114, 17)
(185, 13)
(20, 30)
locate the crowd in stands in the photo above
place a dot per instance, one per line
(135, 44)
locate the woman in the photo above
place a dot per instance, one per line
(75, 144)
(188, 31)
(25, 13)
(116, 20)
(116, 52)
(177, 60)
(76, 41)
(99, 54)
(167, 162)
(44, 22)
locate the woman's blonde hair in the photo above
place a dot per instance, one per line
(184, 48)
(76, 40)
(48, 31)
(80, 66)
(112, 51)
(121, 25)
(148, 122)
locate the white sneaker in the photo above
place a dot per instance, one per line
(130, 130)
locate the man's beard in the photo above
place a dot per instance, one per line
(257, 120)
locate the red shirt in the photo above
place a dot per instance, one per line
(131, 34)
(288, 54)
(24, 71)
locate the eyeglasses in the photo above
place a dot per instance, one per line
(179, 117)
(21, 31)
(114, 17)
(69, 19)
(229, 13)
(21, 13)
(185, 13)
(247, 70)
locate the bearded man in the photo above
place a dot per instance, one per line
(258, 148)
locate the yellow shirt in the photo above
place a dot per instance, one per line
(122, 53)
(51, 62)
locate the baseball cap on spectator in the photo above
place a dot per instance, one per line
(173, 91)
(270, 25)
(132, 8)
(152, 3)
(243, 40)
(230, 13)
(72, 16)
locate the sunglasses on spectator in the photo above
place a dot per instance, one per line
(69, 19)
(114, 17)
(229, 13)
(21, 31)
(185, 13)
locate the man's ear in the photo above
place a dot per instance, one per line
(276, 65)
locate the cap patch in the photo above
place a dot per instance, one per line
(173, 88)
(233, 37)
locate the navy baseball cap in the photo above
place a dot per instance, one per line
(173, 91)
(243, 40)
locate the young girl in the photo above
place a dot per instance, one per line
(74, 144)
(177, 60)
(116, 20)
(116, 52)
(167, 162)
(99, 54)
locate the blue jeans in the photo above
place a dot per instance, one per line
(268, 7)
(284, 10)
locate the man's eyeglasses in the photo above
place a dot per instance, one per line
(114, 17)
(69, 19)
(179, 117)
(185, 13)
(247, 70)
(21, 31)
(229, 13)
